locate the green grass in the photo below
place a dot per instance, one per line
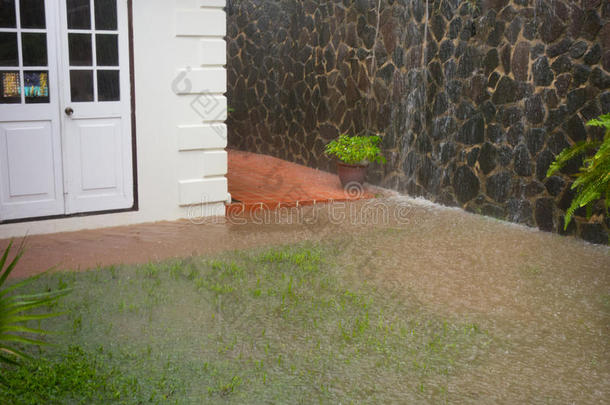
(283, 325)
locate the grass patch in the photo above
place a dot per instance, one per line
(275, 325)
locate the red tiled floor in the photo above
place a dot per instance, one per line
(264, 181)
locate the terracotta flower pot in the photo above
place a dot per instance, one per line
(351, 173)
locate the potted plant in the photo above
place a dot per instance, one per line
(354, 153)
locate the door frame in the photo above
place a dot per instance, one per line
(132, 118)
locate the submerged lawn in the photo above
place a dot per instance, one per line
(285, 325)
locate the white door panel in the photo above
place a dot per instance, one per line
(30, 173)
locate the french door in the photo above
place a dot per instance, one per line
(65, 119)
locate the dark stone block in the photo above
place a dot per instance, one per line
(562, 84)
(506, 91)
(498, 186)
(441, 102)
(604, 100)
(519, 210)
(581, 75)
(545, 158)
(448, 150)
(559, 48)
(537, 50)
(594, 55)
(446, 50)
(515, 134)
(437, 26)
(575, 129)
(557, 142)
(505, 155)
(469, 61)
(591, 25)
(578, 49)
(554, 185)
(473, 131)
(494, 211)
(535, 138)
(530, 29)
(454, 90)
(489, 111)
(386, 73)
(590, 111)
(465, 110)
(594, 233)
(562, 64)
(465, 184)
(512, 33)
(495, 133)
(443, 127)
(576, 99)
(600, 79)
(511, 116)
(491, 61)
(522, 164)
(552, 27)
(520, 61)
(543, 76)
(487, 158)
(544, 214)
(534, 109)
(495, 36)
(550, 98)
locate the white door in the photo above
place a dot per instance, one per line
(87, 165)
(96, 105)
(30, 140)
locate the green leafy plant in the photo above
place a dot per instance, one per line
(593, 179)
(16, 310)
(356, 149)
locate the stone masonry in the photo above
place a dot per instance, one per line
(474, 98)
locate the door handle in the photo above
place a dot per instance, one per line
(69, 111)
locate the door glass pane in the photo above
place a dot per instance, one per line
(107, 50)
(79, 47)
(81, 85)
(32, 13)
(34, 49)
(9, 55)
(10, 87)
(105, 15)
(108, 85)
(36, 86)
(7, 14)
(79, 14)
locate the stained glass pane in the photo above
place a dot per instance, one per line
(79, 14)
(7, 14)
(32, 13)
(107, 49)
(10, 89)
(80, 49)
(36, 86)
(81, 85)
(9, 55)
(105, 15)
(108, 85)
(34, 49)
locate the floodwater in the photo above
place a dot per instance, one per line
(543, 298)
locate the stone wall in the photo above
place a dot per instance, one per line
(474, 98)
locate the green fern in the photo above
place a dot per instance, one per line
(15, 310)
(593, 179)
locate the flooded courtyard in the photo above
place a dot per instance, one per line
(537, 305)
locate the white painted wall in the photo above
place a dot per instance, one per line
(180, 79)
